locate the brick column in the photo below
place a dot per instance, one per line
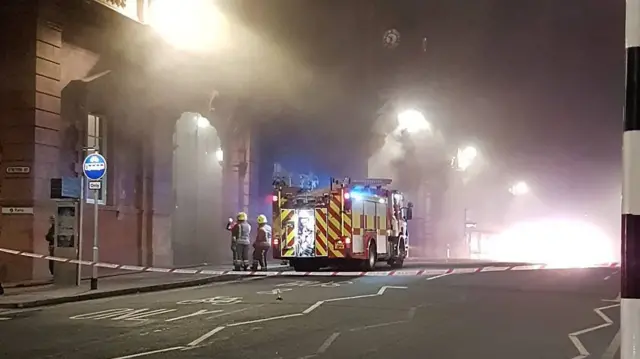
(29, 122)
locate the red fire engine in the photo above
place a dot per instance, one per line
(351, 222)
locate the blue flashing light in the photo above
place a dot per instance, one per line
(356, 196)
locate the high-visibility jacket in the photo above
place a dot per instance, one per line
(263, 237)
(241, 232)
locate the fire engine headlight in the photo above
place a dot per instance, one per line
(347, 240)
(347, 195)
(274, 198)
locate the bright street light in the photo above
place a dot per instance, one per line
(193, 25)
(219, 155)
(465, 157)
(519, 189)
(202, 122)
(412, 121)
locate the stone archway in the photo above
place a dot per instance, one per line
(197, 221)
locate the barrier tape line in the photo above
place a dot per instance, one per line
(395, 273)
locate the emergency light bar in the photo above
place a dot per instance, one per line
(372, 182)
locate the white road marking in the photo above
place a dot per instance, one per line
(574, 336)
(617, 300)
(439, 276)
(613, 347)
(235, 311)
(219, 300)
(2, 318)
(275, 291)
(313, 307)
(378, 325)
(380, 292)
(205, 337)
(141, 314)
(200, 312)
(410, 315)
(327, 343)
(266, 319)
(137, 355)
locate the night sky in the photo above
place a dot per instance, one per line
(537, 84)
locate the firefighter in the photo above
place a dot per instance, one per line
(240, 242)
(261, 244)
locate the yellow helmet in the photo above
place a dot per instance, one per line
(242, 216)
(262, 219)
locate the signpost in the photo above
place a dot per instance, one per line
(94, 168)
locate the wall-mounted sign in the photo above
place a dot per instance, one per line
(17, 210)
(18, 170)
(128, 8)
(95, 185)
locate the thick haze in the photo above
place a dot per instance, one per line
(537, 84)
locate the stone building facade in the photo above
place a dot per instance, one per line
(78, 74)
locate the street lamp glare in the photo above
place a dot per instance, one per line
(520, 188)
(219, 155)
(194, 25)
(202, 122)
(466, 157)
(412, 121)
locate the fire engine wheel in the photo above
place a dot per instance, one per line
(370, 262)
(398, 262)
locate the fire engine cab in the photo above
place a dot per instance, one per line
(352, 222)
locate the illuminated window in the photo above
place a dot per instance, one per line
(96, 140)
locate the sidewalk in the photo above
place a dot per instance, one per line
(49, 294)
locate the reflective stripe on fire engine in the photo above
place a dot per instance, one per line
(334, 226)
(288, 235)
(322, 245)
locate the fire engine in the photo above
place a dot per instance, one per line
(351, 223)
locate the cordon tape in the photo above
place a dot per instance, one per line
(395, 273)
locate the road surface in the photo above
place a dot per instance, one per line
(499, 315)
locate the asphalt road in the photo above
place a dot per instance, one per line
(499, 315)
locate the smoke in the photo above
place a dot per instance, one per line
(409, 159)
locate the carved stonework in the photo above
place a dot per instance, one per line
(117, 3)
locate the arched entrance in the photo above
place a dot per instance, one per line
(197, 222)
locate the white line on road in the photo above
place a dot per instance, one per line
(617, 300)
(205, 337)
(266, 319)
(200, 312)
(377, 325)
(4, 318)
(137, 355)
(327, 343)
(574, 336)
(439, 276)
(235, 311)
(380, 292)
(613, 347)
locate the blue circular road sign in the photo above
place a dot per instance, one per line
(94, 166)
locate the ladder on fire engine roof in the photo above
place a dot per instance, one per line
(367, 182)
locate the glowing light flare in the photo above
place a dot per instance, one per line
(194, 25)
(519, 189)
(465, 157)
(274, 198)
(202, 122)
(557, 243)
(412, 121)
(219, 155)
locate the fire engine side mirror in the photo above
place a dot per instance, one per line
(409, 213)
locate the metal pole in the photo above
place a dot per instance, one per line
(196, 204)
(80, 229)
(94, 273)
(630, 241)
